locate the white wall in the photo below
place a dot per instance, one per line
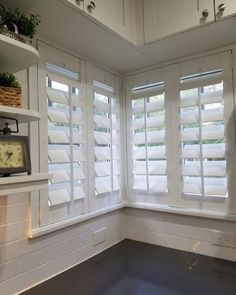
(25, 262)
(192, 234)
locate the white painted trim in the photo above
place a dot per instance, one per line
(187, 58)
(182, 211)
(138, 205)
(71, 221)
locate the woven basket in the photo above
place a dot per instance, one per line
(10, 97)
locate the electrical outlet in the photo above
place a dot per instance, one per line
(227, 239)
(99, 236)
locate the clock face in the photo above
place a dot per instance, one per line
(11, 154)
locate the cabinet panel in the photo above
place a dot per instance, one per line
(166, 17)
(225, 8)
(78, 4)
(115, 14)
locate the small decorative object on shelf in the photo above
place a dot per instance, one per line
(16, 24)
(10, 91)
(14, 151)
(11, 30)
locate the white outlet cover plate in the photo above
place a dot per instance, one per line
(226, 239)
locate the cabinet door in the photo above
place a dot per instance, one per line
(78, 4)
(225, 8)
(166, 17)
(115, 14)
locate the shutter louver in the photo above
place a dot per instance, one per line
(149, 143)
(202, 135)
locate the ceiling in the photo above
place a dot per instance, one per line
(72, 30)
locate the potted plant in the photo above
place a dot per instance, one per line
(10, 90)
(18, 22)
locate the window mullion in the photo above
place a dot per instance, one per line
(200, 142)
(111, 137)
(146, 141)
(71, 145)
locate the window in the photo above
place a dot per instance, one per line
(181, 137)
(148, 137)
(202, 134)
(79, 139)
(63, 137)
(66, 137)
(106, 136)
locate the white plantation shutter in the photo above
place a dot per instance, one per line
(203, 134)
(106, 143)
(79, 138)
(149, 138)
(66, 140)
(181, 135)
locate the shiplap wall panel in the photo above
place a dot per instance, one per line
(25, 262)
(184, 233)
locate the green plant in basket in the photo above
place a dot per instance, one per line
(26, 24)
(8, 80)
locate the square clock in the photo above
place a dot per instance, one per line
(14, 154)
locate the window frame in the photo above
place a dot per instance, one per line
(61, 59)
(42, 219)
(174, 173)
(102, 76)
(136, 81)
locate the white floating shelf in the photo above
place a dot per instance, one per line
(15, 55)
(23, 183)
(21, 115)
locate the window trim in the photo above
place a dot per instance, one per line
(41, 222)
(176, 71)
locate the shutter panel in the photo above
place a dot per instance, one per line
(65, 139)
(149, 143)
(202, 135)
(106, 131)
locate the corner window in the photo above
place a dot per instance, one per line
(181, 135)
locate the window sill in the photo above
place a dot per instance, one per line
(139, 205)
(64, 223)
(181, 211)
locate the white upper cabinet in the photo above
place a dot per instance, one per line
(113, 14)
(163, 18)
(78, 3)
(224, 8)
